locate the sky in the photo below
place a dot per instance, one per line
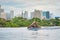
(29, 5)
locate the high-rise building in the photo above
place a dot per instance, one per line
(36, 14)
(8, 16)
(22, 14)
(32, 15)
(11, 14)
(46, 14)
(2, 13)
(57, 17)
(1, 10)
(25, 15)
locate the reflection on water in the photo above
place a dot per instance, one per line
(25, 34)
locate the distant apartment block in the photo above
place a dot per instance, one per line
(11, 14)
(8, 16)
(40, 14)
(2, 13)
(57, 17)
(46, 14)
(36, 14)
(22, 14)
(26, 14)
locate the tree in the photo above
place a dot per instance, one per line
(2, 22)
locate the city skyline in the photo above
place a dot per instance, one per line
(29, 5)
(36, 13)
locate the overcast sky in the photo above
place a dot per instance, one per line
(18, 5)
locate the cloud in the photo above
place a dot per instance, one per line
(30, 3)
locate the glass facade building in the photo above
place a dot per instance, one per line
(46, 14)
